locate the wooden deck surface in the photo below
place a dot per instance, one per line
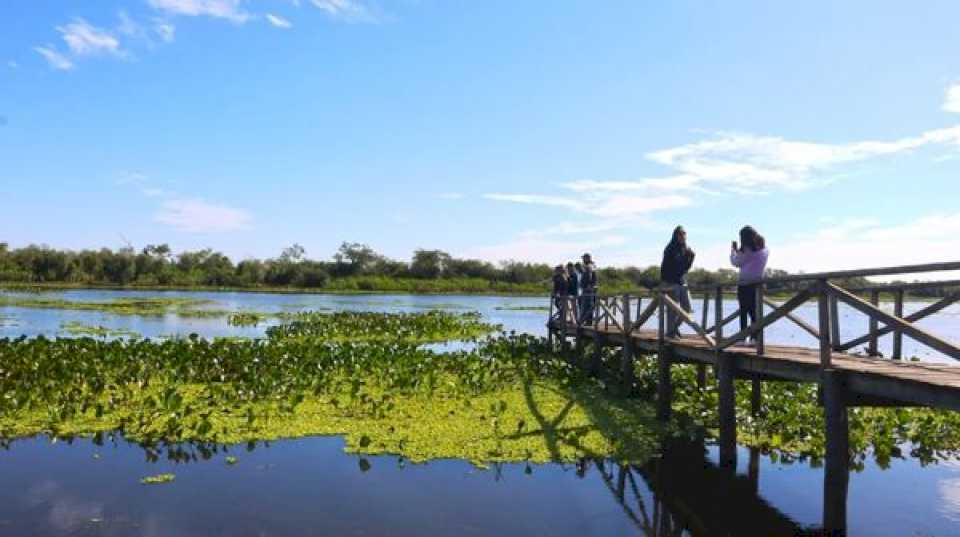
(905, 382)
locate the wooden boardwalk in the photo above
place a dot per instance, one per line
(845, 380)
(868, 379)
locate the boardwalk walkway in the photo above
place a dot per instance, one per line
(845, 379)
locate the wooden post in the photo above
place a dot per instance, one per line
(826, 349)
(837, 464)
(753, 470)
(705, 317)
(834, 322)
(706, 310)
(718, 315)
(597, 361)
(578, 349)
(664, 382)
(661, 317)
(897, 334)
(626, 362)
(759, 310)
(728, 410)
(872, 349)
(756, 396)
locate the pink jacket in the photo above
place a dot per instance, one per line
(752, 264)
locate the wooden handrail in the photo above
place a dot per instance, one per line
(686, 318)
(614, 312)
(913, 317)
(895, 322)
(768, 319)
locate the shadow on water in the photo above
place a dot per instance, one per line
(678, 491)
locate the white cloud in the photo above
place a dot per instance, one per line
(278, 21)
(740, 162)
(553, 201)
(198, 216)
(84, 39)
(128, 26)
(540, 251)
(230, 10)
(857, 243)
(54, 58)
(12, 64)
(164, 30)
(345, 9)
(600, 203)
(952, 102)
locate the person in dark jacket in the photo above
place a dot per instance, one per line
(560, 287)
(677, 260)
(588, 289)
(573, 291)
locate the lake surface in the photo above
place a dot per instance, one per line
(311, 487)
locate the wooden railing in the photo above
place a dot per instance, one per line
(626, 313)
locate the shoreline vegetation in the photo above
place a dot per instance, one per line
(354, 269)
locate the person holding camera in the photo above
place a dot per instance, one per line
(750, 256)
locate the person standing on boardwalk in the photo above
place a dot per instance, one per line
(751, 258)
(560, 287)
(573, 290)
(588, 289)
(677, 260)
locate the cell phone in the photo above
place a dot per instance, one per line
(734, 245)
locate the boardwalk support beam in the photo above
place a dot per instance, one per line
(664, 383)
(837, 464)
(726, 373)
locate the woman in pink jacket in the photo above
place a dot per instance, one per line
(751, 258)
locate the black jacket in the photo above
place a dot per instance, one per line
(677, 261)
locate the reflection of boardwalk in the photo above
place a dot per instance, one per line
(689, 495)
(845, 380)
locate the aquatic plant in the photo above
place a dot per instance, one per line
(119, 306)
(509, 398)
(158, 479)
(420, 327)
(77, 328)
(246, 318)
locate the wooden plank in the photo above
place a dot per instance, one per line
(724, 322)
(873, 349)
(767, 320)
(903, 326)
(685, 317)
(796, 320)
(647, 313)
(898, 334)
(913, 317)
(826, 352)
(706, 310)
(718, 314)
(834, 322)
(626, 358)
(758, 336)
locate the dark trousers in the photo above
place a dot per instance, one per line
(586, 308)
(747, 296)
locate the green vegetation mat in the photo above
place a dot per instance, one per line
(368, 377)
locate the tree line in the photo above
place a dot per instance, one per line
(354, 267)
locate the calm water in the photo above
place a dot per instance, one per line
(310, 487)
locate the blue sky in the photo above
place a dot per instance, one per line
(495, 129)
